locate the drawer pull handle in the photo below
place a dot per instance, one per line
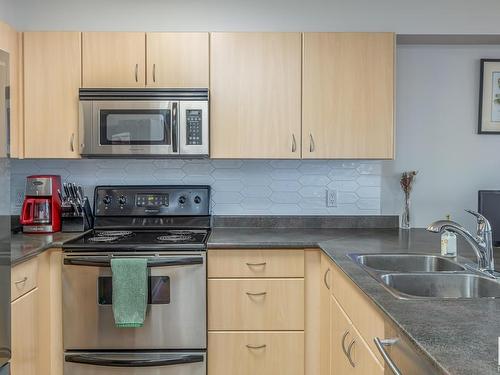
(263, 264)
(256, 347)
(349, 349)
(256, 294)
(23, 280)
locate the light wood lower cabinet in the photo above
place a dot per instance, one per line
(256, 263)
(256, 304)
(349, 323)
(25, 335)
(256, 353)
(37, 347)
(325, 293)
(256, 311)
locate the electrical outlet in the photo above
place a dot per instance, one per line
(331, 198)
(19, 198)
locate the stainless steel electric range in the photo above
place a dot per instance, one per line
(168, 225)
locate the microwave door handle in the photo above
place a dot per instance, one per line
(174, 133)
(167, 262)
(147, 361)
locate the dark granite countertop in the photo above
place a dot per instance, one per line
(26, 246)
(458, 336)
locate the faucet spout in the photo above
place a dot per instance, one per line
(482, 243)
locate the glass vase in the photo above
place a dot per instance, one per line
(405, 217)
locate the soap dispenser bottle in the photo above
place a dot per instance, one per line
(448, 242)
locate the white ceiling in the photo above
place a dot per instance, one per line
(402, 16)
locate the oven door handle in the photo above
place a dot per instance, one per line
(161, 262)
(105, 360)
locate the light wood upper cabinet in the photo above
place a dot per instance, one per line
(114, 59)
(177, 60)
(10, 42)
(25, 335)
(255, 95)
(52, 77)
(348, 95)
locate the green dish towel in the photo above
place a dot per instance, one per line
(130, 290)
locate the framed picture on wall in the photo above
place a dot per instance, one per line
(489, 97)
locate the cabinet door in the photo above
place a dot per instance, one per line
(52, 76)
(341, 337)
(24, 335)
(114, 59)
(325, 315)
(255, 95)
(177, 59)
(348, 96)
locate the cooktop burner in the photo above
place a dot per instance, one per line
(174, 238)
(115, 233)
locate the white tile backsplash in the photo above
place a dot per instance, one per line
(240, 187)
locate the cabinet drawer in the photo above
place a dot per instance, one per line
(256, 304)
(364, 314)
(256, 263)
(251, 353)
(23, 278)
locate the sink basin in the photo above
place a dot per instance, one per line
(406, 262)
(441, 285)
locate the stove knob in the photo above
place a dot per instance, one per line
(197, 200)
(182, 199)
(122, 200)
(106, 200)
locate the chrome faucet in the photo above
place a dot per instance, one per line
(481, 243)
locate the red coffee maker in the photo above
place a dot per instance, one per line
(41, 212)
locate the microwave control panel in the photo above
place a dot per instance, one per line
(194, 127)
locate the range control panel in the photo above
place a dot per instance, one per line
(192, 200)
(194, 130)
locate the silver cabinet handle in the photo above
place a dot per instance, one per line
(256, 294)
(263, 264)
(72, 142)
(137, 72)
(312, 145)
(256, 347)
(349, 353)
(381, 344)
(344, 336)
(294, 143)
(23, 280)
(154, 72)
(324, 279)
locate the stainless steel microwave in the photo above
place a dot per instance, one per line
(144, 123)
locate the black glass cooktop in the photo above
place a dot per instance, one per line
(137, 240)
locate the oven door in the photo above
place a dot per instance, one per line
(121, 128)
(176, 312)
(136, 363)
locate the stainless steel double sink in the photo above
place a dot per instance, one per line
(421, 276)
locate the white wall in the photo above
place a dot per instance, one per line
(402, 16)
(437, 111)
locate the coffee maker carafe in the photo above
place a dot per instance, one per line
(41, 212)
